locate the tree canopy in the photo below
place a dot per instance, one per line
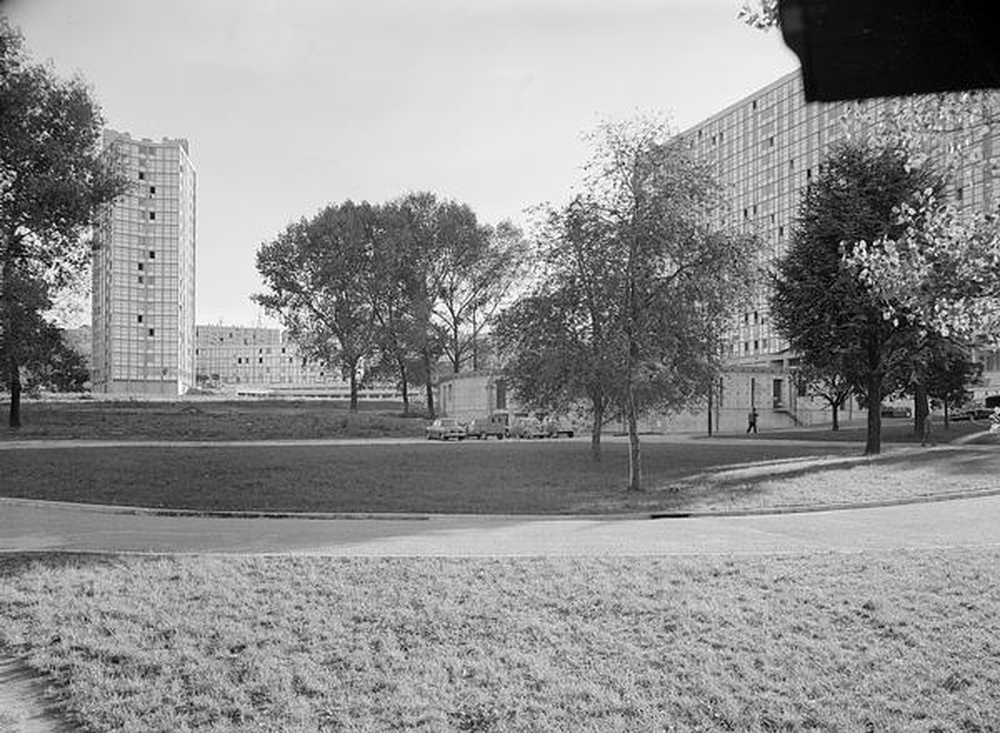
(53, 182)
(637, 285)
(380, 289)
(828, 314)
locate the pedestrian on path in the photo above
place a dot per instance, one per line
(752, 421)
(928, 434)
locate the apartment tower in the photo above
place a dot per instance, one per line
(765, 149)
(143, 273)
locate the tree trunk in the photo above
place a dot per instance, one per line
(354, 388)
(634, 455)
(836, 416)
(920, 408)
(946, 414)
(404, 385)
(873, 441)
(595, 432)
(430, 386)
(15, 394)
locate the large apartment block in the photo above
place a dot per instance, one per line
(265, 360)
(765, 149)
(143, 273)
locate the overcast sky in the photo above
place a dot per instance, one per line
(292, 104)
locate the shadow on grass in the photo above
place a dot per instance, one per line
(14, 564)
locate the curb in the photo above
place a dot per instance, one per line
(777, 509)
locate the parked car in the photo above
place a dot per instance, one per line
(527, 427)
(484, 427)
(554, 427)
(896, 411)
(973, 412)
(445, 428)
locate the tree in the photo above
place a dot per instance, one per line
(948, 375)
(828, 383)
(53, 182)
(393, 292)
(819, 303)
(636, 269)
(473, 269)
(556, 343)
(940, 263)
(318, 273)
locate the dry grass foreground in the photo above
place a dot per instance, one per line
(886, 642)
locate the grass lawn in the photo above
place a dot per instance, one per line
(208, 420)
(899, 641)
(894, 430)
(472, 477)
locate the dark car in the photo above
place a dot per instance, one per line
(484, 427)
(896, 411)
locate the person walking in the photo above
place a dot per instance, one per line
(752, 421)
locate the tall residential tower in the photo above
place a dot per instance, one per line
(143, 278)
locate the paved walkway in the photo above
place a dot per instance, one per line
(42, 526)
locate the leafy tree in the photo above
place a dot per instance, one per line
(58, 367)
(53, 182)
(820, 304)
(557, 343)
(827, 383)
(458, 273)
(939, 263)
(942, 371)
(420, 218)
(318, 274)
(641, 278)
(393, 292)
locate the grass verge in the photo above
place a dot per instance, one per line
(209, 420)
(538, 477)
(889, 642)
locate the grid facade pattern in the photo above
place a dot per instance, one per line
(765, 149)
(237, 358)
(144, 273)
(227, 355)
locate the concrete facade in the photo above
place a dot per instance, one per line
(143, 296)
(248, 359)
(764, 150)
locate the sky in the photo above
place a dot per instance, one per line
(290, 105)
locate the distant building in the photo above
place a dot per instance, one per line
(143, 273)
(765, 149)
(243, 359)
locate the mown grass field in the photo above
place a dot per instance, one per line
(901, 641)
(199, 419)
(521, 477)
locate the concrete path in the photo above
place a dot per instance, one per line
(41, 526)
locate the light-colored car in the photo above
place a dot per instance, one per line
(527, 427)
(484, 427)
(445, 428)
(554, 427)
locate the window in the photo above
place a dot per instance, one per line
(141, 266)
(152, 215)
(152, 254)
(140, 279)
(139, 318)
(152, 332)
(152, 190)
